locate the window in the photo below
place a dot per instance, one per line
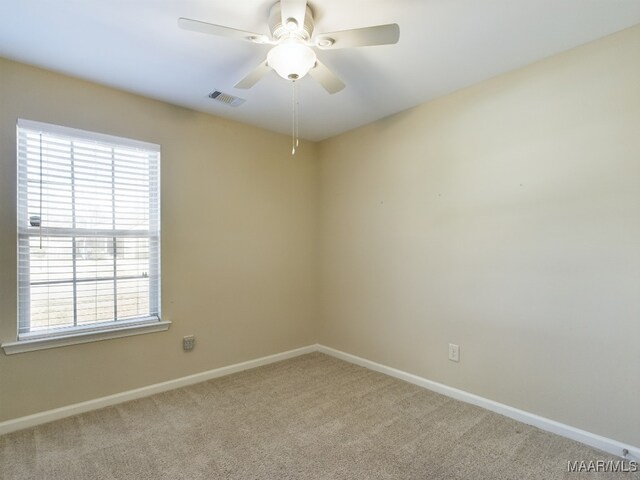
(88, 232)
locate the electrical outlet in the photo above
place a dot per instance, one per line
(188, 343)
(454, 352)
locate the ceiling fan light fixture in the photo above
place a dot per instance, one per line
(291, 60)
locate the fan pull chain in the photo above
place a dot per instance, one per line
(293, 118)
(297, 107)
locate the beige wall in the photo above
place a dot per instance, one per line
(239, 243)
(504, 218)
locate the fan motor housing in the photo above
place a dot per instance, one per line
(278, 30)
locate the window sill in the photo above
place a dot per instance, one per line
(22, 346)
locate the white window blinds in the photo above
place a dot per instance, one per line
(88, 231)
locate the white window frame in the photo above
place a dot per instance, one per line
(69, 335)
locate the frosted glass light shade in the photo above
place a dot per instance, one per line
(291, 60)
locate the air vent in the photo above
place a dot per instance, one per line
(226, 98)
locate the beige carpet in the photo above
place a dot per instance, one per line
(312, 417)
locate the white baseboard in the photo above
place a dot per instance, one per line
(69, 410)
(597, 441)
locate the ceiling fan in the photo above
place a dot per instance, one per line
(292, 56)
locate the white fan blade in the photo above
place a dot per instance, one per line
(253, 77)
(219, 30)
(326, 78)
(293, 9)
(360, 37)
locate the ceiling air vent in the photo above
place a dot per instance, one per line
(226, 98)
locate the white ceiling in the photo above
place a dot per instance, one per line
(445, 45)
